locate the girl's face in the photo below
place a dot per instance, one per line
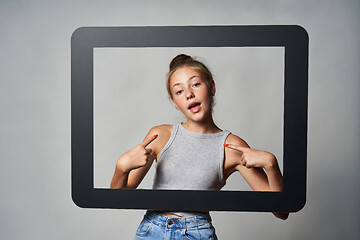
(190, 93)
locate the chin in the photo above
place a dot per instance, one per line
(197, 118)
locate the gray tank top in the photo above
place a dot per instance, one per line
(191, 161)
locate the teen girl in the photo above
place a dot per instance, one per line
(195, 155)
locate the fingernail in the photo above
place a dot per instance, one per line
(156, 136)
(226, 145)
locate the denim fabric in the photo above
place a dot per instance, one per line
(160, 227)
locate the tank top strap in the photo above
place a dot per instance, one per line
(171, 139)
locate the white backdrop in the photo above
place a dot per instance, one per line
(35, 199)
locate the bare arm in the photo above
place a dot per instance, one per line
(251, 164)
(133, 165)
(275, 181)
(120, 178)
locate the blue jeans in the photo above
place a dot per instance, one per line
(160, 227)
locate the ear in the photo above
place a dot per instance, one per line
(213, 89)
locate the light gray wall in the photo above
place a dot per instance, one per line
(35, 197)
(130, 97)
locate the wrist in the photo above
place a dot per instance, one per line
(271, 162)
(121, 167)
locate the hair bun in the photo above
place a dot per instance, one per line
(180, 59)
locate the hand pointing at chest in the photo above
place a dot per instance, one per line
(252, 157)
(136, 157)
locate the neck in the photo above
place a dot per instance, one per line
(205, 126)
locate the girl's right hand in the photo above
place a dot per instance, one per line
(136, 157)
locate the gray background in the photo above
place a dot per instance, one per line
(130, 97)
(35, 116)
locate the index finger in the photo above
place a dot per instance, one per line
(148, 141)
(236, 147)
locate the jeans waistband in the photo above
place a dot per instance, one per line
(176, 222)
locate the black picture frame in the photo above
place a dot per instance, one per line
(295, 41)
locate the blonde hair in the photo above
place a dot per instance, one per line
(183, 60)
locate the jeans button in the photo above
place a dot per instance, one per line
(170, 222)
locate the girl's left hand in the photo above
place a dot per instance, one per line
(252, 157)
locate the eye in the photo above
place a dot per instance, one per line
(178, 92)
(196, 84)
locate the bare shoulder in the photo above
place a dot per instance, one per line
(236, 140)
(164, 132)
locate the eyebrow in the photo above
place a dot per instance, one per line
(186, 80)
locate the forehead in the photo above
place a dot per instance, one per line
(182, 75)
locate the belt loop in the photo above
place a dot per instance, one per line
(166, 221)
(197, 225)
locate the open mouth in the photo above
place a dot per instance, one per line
(195, 107)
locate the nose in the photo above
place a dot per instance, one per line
(189, 94)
